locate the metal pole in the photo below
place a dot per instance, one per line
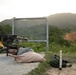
(47, 42)
(60, 64)
(13, 26)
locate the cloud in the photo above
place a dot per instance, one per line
(4, 2)
(33, 8)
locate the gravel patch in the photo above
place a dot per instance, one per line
(8, 66)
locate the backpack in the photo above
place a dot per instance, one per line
(24, 50)
(54, 61)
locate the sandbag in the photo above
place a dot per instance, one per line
(28, 57)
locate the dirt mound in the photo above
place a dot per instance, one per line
(70, 37)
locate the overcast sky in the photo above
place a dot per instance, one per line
(35, 8)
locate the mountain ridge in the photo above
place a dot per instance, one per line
(61, 20)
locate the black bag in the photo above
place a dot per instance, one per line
(54, 61)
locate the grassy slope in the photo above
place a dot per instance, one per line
(69, 53)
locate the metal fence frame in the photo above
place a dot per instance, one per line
(47, 28)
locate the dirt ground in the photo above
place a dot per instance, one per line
(64, 71)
